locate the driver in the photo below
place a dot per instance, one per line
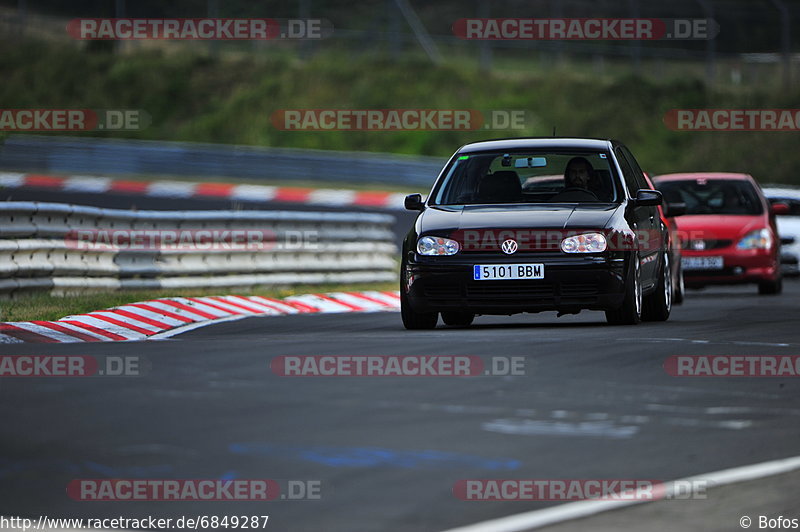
(578, 174)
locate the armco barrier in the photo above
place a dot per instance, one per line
(36, 253)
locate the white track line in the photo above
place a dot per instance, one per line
(192, 326)
(577, 510)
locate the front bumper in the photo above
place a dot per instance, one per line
(739, 267)
(570, 284)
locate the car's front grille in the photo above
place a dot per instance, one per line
(449, 292)
(579, 289)
(508, 290)
(499, 291)
(725, 272)
(706, 244)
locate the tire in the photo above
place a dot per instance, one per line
(771, 288)
(630, 313)
(413, 320)
(458, 319)
(680, 289)
(658, 305)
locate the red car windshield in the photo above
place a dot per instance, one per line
(713, 196)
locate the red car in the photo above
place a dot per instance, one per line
(667, 212)
(728, 232)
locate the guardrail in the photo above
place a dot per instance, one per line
(50, 246)
(35, 153)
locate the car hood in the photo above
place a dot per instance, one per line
(441, 219)
(714, 227)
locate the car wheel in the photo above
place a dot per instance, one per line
(771, 288)
(680, 288)
(630, 313)
(658, 305)
(413, 320)
(458, 319)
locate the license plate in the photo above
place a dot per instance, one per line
(702, 263)
(507, 272)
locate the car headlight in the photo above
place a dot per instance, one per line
(758, 239)
(435, 245)
(585, 243)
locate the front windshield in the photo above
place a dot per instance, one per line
(528, 177)
(713, 196)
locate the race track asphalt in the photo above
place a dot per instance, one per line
(594, 402)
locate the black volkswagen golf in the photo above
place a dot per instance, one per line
(532, 225)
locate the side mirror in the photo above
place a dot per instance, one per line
(675, 209)
(780, 209)
(647, 198)
(413, 202)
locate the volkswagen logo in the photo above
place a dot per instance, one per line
(509, 246)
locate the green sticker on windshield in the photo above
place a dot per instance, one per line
(463, 157)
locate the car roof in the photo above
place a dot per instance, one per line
(781, 191)
(537, 143)
(689, 176)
